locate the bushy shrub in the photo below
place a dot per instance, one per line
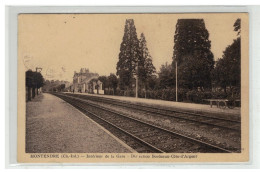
(182, 95)
(108, 92)
(169, 94)
(163, 94)
(219, 95)
(141, 93)
(198, 96)
(130, 93)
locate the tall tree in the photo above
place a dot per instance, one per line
(237, 26)
(192, 53)
(227, 72)
(153, 82)
(128, 56)
(34, 80)
(39, 81)
(145, 65)
(112, 82)
(29, 83)
(104, 81)
(166, 79)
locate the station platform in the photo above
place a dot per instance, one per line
(187, 107)
(54, 126)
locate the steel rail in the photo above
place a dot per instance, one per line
(122, 130)
(140, 108)
(151, 125)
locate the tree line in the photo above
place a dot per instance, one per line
(227, 73)
(134, 61)
(55, 85)
(34, 81)
(199, 76)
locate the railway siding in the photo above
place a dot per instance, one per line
(85, 103)
(233, 114)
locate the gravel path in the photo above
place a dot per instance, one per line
(54, 126)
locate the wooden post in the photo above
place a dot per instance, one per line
(136, 82)
(136, 87)
(176, 81)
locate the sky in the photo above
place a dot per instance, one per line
(63, 43)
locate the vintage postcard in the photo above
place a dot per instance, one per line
(131, 88)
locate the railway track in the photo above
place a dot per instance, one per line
(141, 136)
(187, 116)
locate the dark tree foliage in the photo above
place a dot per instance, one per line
(145, 65)
(192, 53)
(60, 87)
(152, 82)
(166, 79)
(49, 85)
(112, 81)
(93, 85)
(29, 78)
(34, 79)
(94, 80)
(104, 80)
(38, 79)
(128, 56)
(237, 26)
(227, 71)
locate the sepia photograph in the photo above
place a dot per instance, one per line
(141, 87)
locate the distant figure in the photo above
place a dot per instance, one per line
(73, 90)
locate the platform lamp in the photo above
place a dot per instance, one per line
(135, 74)
(38, 68)
(136, 81)
(176, 68)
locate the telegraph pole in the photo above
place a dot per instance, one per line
(136, 82)
(176, 81)
(136, 88)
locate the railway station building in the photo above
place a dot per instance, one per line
(87, 82)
